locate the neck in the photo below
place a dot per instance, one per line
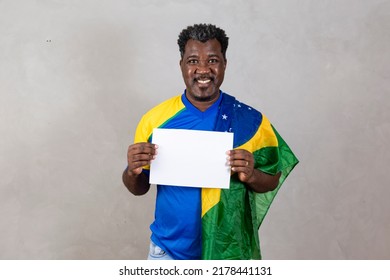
(202, 104)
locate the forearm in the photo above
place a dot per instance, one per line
(261, 182)
(136, 184)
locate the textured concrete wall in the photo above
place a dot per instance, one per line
(76, 76)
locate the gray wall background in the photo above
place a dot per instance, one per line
(76, 76)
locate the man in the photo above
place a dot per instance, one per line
(196, 223)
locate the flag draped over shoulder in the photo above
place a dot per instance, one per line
(231, 217)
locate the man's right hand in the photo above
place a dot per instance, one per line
(138, 156)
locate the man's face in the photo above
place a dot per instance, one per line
(203, 69)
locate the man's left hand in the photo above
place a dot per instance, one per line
(242, 163)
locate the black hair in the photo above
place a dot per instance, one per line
(203, 33)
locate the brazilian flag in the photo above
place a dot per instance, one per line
(231, 217)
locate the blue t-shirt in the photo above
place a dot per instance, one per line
(177, 226)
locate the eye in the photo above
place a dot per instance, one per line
(213, 61)
(192, 61)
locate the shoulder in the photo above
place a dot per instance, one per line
(244, 114)
(239, 107)
(164, 110)
(170, 104)
(246, 120)
(158, 115)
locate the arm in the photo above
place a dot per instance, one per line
(242, 162)
(138, 155)
(261, 182)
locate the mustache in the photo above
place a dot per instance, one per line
(204, 77)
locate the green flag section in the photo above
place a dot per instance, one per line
(231, 217)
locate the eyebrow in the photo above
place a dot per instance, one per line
(197, 56)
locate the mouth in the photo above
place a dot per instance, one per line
(203, 80)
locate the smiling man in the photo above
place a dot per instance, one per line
(203, 67)
(196, 223)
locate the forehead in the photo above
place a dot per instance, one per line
(210, 47)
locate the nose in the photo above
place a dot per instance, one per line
(203, 67)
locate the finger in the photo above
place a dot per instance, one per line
(240, 158)
(239, 154)
(244, 177)
(239, 168)
(135, 171)
(141, 152)
(239, 163)
(243, 173)
(136, 167)
(141, 157)
(143, 148)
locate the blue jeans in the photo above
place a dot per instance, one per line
(156, 253)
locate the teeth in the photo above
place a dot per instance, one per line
(203, 81)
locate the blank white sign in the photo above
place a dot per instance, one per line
(191, 158)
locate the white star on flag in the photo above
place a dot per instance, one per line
(224, 117)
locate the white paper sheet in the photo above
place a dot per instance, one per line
(191, 158)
